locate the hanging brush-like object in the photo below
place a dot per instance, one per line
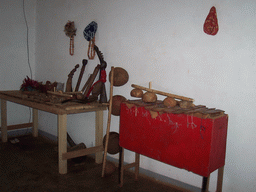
(70, 31)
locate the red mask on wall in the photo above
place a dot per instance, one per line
(211, 22)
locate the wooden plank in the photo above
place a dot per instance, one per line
(130, 165)
(99, 135)
(65, 94)
(83, 107)
(10, 96)
(3, 120)
(82, 152)
(71, 108)
(19, 126)
(62, 142)
(35, 123)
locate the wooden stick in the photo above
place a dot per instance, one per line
(69, 81)
(73, 93)
(85, 106)
(109, 120)
(81, 152)
(162, 93)
(95, 72)
(150, 85)
(220, 179)
(87, 82)
(81, 74)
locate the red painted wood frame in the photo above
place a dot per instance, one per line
(181, 140)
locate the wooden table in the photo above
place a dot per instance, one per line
(62, 110)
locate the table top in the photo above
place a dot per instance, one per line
(19, 97)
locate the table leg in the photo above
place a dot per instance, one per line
(62, 142)
(137, 166)
(205, 185)
(98, 135)
(220, 179)
(3, 120)
(35, 123)
(121, 167)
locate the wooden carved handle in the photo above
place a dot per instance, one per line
(69, 81)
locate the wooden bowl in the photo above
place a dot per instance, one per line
(136, 93)
(116, 102)
(113, 143)
(149, 97)
(121, 77)
(170, 102)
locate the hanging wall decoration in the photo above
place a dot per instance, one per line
(211, 23)
(89, 35)
(70, 31)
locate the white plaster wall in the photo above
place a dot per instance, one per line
(159, 41)
(163, 42)
(14, 65)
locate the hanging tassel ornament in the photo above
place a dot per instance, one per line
(91, 50)
(211, 23)
(70, 31)
(89, 35)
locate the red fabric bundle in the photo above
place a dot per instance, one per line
(211, 23)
